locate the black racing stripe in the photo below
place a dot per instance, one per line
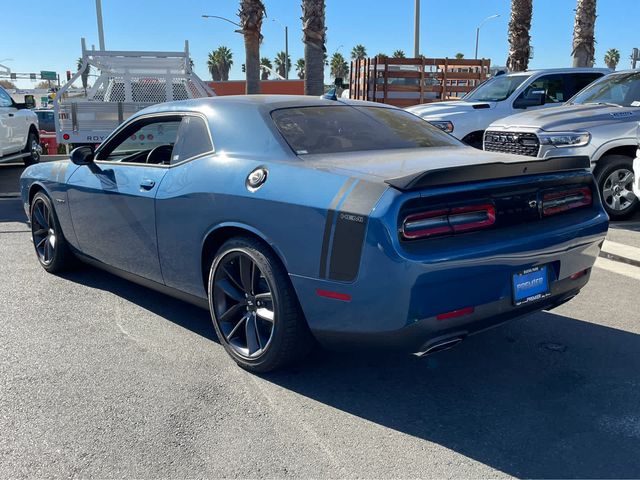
(329, 224)
(351, 226)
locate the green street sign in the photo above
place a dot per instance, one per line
(46, 75)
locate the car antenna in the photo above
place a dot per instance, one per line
(332, 94)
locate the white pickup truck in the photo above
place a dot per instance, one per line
(505, 95)
(19, 138)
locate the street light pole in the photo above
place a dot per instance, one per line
(286, 48)
(478, 31)
(100, 28)
(223, 18)
(416, 31)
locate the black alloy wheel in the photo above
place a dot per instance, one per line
(254, 308)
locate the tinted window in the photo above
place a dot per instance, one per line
(46, 121)
(343, 128)
(496, 89)
(193, 139)
(5, 99)
(581, 80)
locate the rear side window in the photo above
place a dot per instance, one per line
(345, 128)
(581, 80)
(193, 139)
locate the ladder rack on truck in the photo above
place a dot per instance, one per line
(127, 82)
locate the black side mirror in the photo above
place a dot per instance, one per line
(82, 155)
(29, 102)
(531, 98)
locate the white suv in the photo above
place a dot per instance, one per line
(505, 95)
(19, 139)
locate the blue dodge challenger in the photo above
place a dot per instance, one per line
(301, 219)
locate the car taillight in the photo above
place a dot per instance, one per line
(446, 221)
(563, 200)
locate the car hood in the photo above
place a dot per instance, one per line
(383, 165)
(570, 117)
(443, 109)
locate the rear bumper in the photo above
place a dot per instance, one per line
(395, 301)
(426, 333)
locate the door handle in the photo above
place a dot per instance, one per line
(147, 184)
(11, 114)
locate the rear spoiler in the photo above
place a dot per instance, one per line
(487, 171)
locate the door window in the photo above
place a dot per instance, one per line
(581, 80)
(551, 86)
(5, 99)
(148, 141)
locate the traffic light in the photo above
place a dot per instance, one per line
(68, 75)
(244, 68)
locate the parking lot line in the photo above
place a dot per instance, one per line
(618, 267)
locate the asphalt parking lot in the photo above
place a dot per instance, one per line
(103, 378)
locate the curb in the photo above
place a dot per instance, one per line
(619, 252)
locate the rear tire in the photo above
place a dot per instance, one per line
(52, 249)
(254, 308)
(33, 148)
(614, 176)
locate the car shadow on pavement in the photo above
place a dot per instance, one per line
(181, 313)
(543, 397)
(11, 211)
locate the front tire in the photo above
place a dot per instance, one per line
(33, 148)
(51, 247)
(254, 308)
(614, 177)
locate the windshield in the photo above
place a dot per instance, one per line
(496, 89)
(621, 89)
(345, 128)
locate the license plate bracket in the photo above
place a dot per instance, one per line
(530, 285)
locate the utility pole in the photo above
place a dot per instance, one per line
(286, 52)
(100, 28)
(416, 31)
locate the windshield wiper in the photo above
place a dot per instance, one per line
(608, 104)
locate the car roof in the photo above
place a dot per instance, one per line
(562, 70)
(263, 102)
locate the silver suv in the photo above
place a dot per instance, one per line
(599, 122)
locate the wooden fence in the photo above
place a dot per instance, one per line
(409, 81)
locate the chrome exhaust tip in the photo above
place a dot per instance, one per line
(439, 346)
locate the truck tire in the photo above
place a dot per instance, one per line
(614, 176)
(33, 148)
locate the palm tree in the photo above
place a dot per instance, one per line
(300, 68)
(265, 66)
(314, 38)
(84, 76)
(225, 60)
(583, 34)
(519, 38)
(459, 56)
(339, 66)
(381, 55)
(611, 58)
(279, 62)
(358, 52)
(212, 65)
(251, 14)
(399, 54)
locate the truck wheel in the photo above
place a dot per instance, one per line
(615, 183)
(33, 148)
(254, 308)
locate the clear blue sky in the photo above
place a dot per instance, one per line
(446, 28)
